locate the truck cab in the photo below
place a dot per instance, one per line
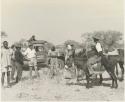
(41, 51)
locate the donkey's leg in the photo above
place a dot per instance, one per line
(122, 70)
(117, 69)
(116, 84)
(112, 83)
(87, 79)
(101, 79)
(114, 79)
(111, 75)
(110, 69)
(77, 74)
(86, 70)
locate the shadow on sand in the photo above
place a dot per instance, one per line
(92, 83)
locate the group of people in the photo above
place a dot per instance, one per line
(54, 61)
(12, 60)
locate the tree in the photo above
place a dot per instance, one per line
(109, 39)
(87, 40)
(23, 42)
(49, 45)
(75, 43)
(3, 34)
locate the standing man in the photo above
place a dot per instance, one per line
(18, 62)
(30, 53)
(5, 63)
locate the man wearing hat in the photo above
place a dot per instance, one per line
(98, 45)
(18, 62)
(100, 57)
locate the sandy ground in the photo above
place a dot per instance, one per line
(45, 89)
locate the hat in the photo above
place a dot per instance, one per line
(97, 37)
(18, 45)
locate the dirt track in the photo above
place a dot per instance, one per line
(45, 89)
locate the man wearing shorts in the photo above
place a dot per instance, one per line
(30, 53)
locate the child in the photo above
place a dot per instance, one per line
(5, 63)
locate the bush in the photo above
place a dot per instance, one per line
(109, 39)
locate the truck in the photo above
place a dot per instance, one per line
(41, 51)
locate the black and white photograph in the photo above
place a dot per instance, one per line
(62, 50)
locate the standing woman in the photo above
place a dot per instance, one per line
(53, 62)
(5, 63)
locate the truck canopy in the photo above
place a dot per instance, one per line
(39, 42)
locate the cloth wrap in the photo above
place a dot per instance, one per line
(94, 65)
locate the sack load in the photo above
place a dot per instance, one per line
(69, 72)
(93, 60)
(94, 65)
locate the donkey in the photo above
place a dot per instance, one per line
(120, 61)
(81, 61)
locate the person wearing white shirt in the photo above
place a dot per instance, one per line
(30, 54)
(98, 46)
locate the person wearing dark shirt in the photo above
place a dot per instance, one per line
(18, 62)
(32, 39)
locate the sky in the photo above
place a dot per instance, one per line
(59, 20)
